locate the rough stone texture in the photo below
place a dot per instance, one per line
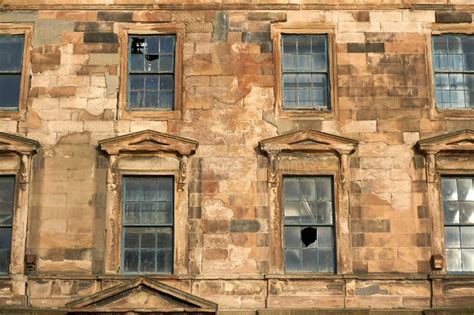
(383, 101)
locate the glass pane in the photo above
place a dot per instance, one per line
(132, 188)
(165, 185)
(326, 260)
(289, 44)
(137, 82)
(309, 259)
(150, 189)
(9, 90)
(324, 189)
(137, 63)
(167, 44)
(7, 190)
(132, 213)
(465, 189)
(467, 236)
(291, 189)
(164, 238)
(451, 237)
(148, 238)
(151, 82)
(5, 238)
(468, 260)
(292, 212)
(325, 237)
(132, 238)
(4, 260)
(292, 237)
(130, 263)
(11, 50)
(451, 212)
(323, 212)
(166, 83)
(466, 212)
(293, 260)
(164, 214)
(164, 261)
(147, 260)
(453, 260)
(309, 237)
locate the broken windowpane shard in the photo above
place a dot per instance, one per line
(138, 46)
(308, 236)
(151, 57)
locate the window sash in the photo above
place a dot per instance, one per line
(308, 61)
(319, 254)
(148, 259)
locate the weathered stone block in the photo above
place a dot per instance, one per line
(453, 17)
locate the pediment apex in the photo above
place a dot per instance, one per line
(13, 143)
(462, 140)
(309, 140)
(142, 293)
(149, 141)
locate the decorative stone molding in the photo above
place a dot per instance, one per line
(301, 148)
(142, 294)
(448, 154)
(146, 152)
(16, 155)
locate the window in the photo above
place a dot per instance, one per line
(308, 224)
(147, 206)
(304, 71)
(151, 72)
(11, 52)
(7, 191)
(303, 228)
(147, 192)
(458, 208)
(453, 64)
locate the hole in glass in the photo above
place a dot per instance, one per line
(308, 236)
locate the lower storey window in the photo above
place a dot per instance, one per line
(147, 224)
(458, 206)
(7, 190)
(308, 224)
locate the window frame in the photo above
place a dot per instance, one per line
(309, 153)
(122, 225)
(458, 225)
(126, 30)
(146, 153)
(280, 29)
(446, 155)
(26, 31)
(16, 157)
(15, 193)
(335, 193)
(440, 30)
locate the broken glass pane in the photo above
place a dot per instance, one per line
(308, 236)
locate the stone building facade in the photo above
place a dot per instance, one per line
(384, 138)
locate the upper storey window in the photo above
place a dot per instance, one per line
(151, 72)
(11, 60)
(305, 75)
(453, 63)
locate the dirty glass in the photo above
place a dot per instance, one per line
(147, 224)
(305, 72)
(11, 58)
(453, 64)
(308, 224)
(7, 193)
(151, 72)
(457, 194)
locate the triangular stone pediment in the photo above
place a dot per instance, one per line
(460, 141)
(309, 141)
(149, 141)
(142, 294)
(13, 143)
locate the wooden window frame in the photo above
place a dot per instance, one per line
(444, 113)
(450, 154)
(151, 30)
(294, 155)
(147, 153)
(279, 29)
(26, 31)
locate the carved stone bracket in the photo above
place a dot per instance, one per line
(431, 174)
(25, 170)
(183, 169)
